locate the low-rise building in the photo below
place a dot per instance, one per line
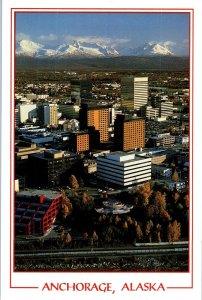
(164, 140)
(123, 169)
(35, 211)
(51, 167)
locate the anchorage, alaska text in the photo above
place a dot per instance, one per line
(103, 287)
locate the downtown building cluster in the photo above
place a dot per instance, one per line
(53, 135)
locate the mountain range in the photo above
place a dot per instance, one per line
(79, 49)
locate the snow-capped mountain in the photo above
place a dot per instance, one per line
(76, 49)
(86, 50)
(83, 49)
(152, 48)
(32, 49)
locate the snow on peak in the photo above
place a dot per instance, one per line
(153, 48)
(27, 47)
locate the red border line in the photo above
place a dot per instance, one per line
(11, 95)
(189, 11)
(102, 9)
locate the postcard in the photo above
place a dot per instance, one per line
(100, 150)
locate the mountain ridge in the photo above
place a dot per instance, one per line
(89, 49)
(120, 63)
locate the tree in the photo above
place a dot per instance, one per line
(85, 235)
(174, 231)
(67, 239)
(144, 191)
(148, 230)
(158, 231)
(175, 176)
(165, 215)
(176, 196)
(125, 225)
(138, 232)
(84, 198)
(186, 200)
(73, 182)
(160, 199)
(66, 205)
(95, 236)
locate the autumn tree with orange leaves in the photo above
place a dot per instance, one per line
(66, 205)
(144, 191)
(73, 182)
(174, 231)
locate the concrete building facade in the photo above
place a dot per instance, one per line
(123, 169)
(134, 92)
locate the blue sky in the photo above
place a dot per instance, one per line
(118, 30)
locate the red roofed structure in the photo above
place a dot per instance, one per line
(35, 211)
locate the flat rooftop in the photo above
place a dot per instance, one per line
(123, 156)
(36, 192)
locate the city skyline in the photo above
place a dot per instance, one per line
(117, 30)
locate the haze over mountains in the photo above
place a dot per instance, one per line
(79, 49)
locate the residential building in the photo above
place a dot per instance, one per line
(134, 92)
(97, 116)
(79, 141)
(123, 169)
(129, 133)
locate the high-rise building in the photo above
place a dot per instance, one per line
(123, 169)
(48, 114)
(97, 116)
(26, 112)
(134, 92)
(166, 109)
(80, 90)
(80, 141)
(129, 133)
(69, 110)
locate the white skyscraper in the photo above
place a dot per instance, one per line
(26, 112)
(134, 92)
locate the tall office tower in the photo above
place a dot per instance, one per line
(97, 116)
(134, 92)
(166, 109)
(129, 133)
(48, 114)
(81, 90)
(26, 112)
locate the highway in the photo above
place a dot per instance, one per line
(143, 250)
